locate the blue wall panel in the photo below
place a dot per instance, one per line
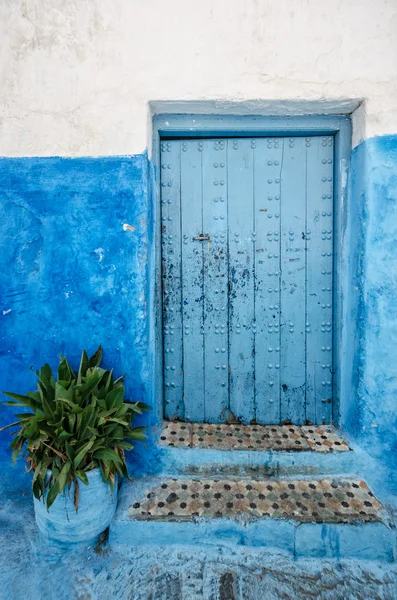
(372, 415)
(71, 276)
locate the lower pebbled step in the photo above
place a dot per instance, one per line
(323, 501)
(317, 518)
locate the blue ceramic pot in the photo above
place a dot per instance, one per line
(97, 505)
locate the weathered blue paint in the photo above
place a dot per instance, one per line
(192, 282)
(248, 308)
(96, 507)
(75, 236)
(215, 267)
(246, 322)
(46, 201)
(370, 413)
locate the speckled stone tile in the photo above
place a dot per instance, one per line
(176, 434)
(322, 501)
(248, 437)
(324, 439)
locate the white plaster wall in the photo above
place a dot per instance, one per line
(76, 76)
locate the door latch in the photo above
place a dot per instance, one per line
(202, 237)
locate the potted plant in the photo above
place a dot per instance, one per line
(74, 436)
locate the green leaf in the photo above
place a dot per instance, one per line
(144, 407)
(107, 454)
(123, 410)
(37, 489)
(72, 422)
(89, 385)
(84, 364)
(74, 407)
(63, 475)
(120, 421)
(109, 381)
(46, 380)
(93, 370)
(15, 453)
(137, 434)
(82, 476)
(25, 415)
(118, 433)
(45, 374)
(35, 396)
(52, 494)
(65, 371)
(114, 399)
(22, 400)
(107, 413)
(48, 410)
(61, 392)
(37, 472)
(30, 428)
(125, 445)
(96, 358)
(87, 418)
(81, 454)
(69, 451)
(10, 425)
(139, 407)
(119, 381)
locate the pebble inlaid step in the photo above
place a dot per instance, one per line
(252, 437)
(322, 501)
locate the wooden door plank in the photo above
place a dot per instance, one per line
(215, 280)
(293, 281)
(171, 275)
(242, 243)
(319, 279)
(192, 280)
(267, 183)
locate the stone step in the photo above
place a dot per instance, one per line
(233, 436)
(327, 517)
(260, 450)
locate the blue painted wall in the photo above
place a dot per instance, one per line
(72, 277)
(371, 415)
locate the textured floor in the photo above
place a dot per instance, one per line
(323, 501)
(32, 570)
(252, 437)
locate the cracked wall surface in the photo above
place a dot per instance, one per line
(76, 79)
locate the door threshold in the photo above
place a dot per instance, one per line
(309, 438)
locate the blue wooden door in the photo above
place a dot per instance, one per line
(247, 255)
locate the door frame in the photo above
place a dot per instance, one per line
(179, 126)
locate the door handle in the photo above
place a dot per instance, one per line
(202, 237)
